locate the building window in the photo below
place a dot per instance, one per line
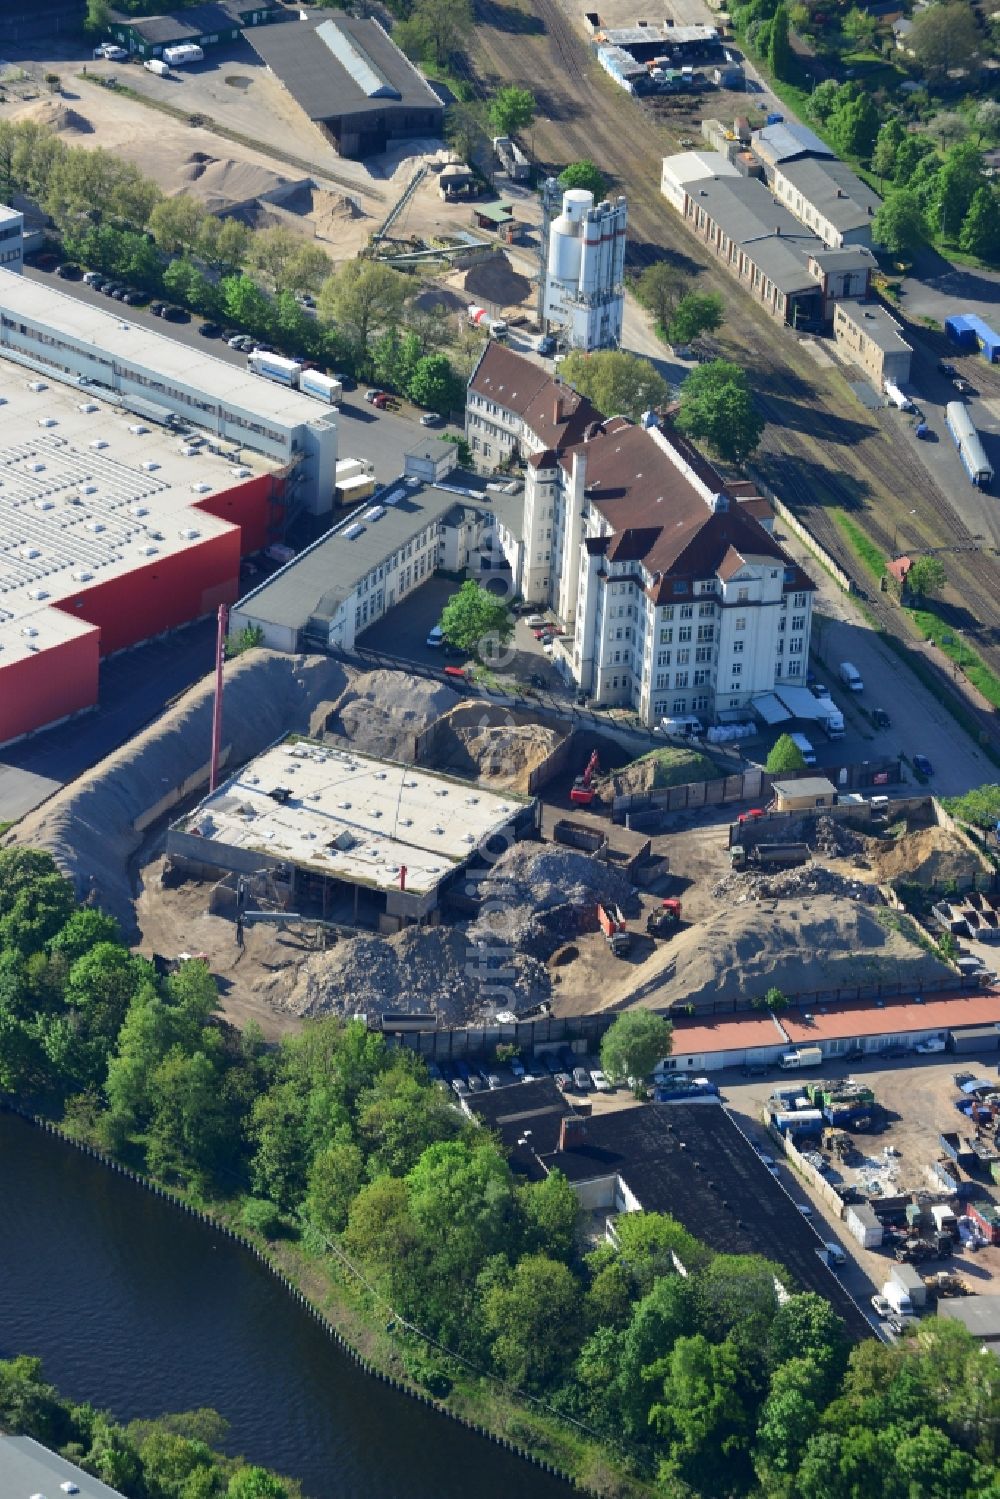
(683, 657)
(663, 658)
(684, 633)
(799, 601)
(743, 596)
(737, 647)
(795, 647)
(687, 611)
(678, 705)
(741, 623)
(681, 679)
(666, 637)
(706, 632)
(798, 621)
(737, 669)
(794, 669)
(700, 678)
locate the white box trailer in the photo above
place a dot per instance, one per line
(803, 1056)
(321, 387)
(183, 55)
(158, 66)
(274, 367)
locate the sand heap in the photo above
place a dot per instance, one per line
(929, 857)
(505, 755)
(822, 942)
(56, 116)
(381, 713)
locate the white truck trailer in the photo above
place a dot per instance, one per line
(274, 367)
(183, 55)
(321, 387)
(803, 1056)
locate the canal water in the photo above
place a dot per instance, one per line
(140, 1309)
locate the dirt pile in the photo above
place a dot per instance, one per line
(787, 884)
(440, 969)
(669, 766)
(838, 839)
(496, 281)
(89, 827)
(929, 857)
(536, 896)
(822, 942)
(57, 117)
(381, 713)
(219, 182)
(505, 755)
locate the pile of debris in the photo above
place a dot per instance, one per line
(382, 712)
(536, 897)
(837, 839)
(421, 969)
(787, 884)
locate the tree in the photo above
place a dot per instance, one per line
(859, 28)
(717, 406)
(618, 384)
(944, 38)
(779, 53)
(512, 109)
(256, 1483)
(853, 126)
(363, 299)
(245, 303)
(35, 899)
(477, 621)
(900, 224)
(584, 175)
(633, 1045)
(660, 288)
(981, 806)
(441, 27)
(957, 182)
(175, 223)
(887, 144)
(696, 314)
(465, 129)
(435, 385)
(987, 120)
(948, 128)
(84, 929)
(702, 1416)
(927, 576)
(551, 1211)
(823, 100)
(533, 1316)
(785, 756)
(651, 1243)
(98, 17)
(335, 1178)
(981, 227)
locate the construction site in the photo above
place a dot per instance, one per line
(564, 912)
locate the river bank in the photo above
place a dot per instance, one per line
(346, 1316)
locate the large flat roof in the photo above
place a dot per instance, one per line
(115, 335)
(340, 65)
(729, 1033)
(893, 1017)
(875, 323)
(321, 578)
(28, 1468)
(351, 816)
(89, 492)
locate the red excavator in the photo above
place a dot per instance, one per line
(583, 791)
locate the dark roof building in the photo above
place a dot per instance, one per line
(685, 1159)
(203, 25)
(352, 81)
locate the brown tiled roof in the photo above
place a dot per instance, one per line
(730, 565)
(555, 412)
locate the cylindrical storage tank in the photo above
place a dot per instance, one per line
(576, 203)
(564, 250)
(590, 258)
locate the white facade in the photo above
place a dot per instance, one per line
(60, 336)
(584, 269)
(11, 239)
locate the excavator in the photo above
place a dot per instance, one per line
(583, 791)
(664, 921)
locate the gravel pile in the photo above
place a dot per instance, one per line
(536, 896)
(840, 837)
(382, 712)
(787, 884)
(421, 969)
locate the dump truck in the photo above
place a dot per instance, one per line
(512, 159)
(664, 921)
(611, 921)
(769, 855)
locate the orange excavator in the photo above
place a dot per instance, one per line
(583, 791)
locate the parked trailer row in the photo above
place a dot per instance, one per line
(969, 444)
(290, 372)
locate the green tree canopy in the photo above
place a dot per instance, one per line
(957, 182)
(900, 223)
(927, 576)
(634, 1043)
(533, 1317)
(784, 756)
(944, 37)
(779, 53)
(435, 385)
(477, 621)
(35, 899)
(618, 384)
(980, 806)
(363, 299)
(980, 233)
(695, 314)
(584, 175)
(718, 408)
(660, 288)
(512, 109)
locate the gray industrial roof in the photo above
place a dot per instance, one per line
(341, 66)
(431, 448)
(751, 217)
(980, 1314)
(319, 580)
(776, 143)
(188, 25)
(833, 190)
(875, 323)
(28, 1468)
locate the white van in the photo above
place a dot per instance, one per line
(158, 66)
(687, 727)
(804, 747)
(436, 637)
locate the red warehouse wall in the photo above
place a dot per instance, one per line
(49, 685)
(249, 506)
(165, 593)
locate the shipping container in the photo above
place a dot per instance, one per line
(863, 1223)
(274, 367)
(910, 1280)
(955, 1147)
(322, 387)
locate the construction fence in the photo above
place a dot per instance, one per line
(752, 785)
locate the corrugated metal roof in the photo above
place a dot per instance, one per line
(351, 55)
(783, 142)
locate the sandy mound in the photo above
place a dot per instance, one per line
(801, 947)
(497, 282)
(929, 857)
(330, 211)
(506, 755)
(57, 117)
(440, 299)
(381, 712)
(420, 969)
(218, 181)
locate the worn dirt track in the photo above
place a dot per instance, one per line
(821, 449)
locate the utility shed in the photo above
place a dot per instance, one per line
(970, 332)
(804, 794)
(974, 1038)
(863, 1223)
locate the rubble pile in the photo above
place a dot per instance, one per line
(841, 840)
(787, 884)
(537, 896)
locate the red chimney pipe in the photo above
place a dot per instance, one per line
(402, 876)
(220, 657)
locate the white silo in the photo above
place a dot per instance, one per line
(583, 290)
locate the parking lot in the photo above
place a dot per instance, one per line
(917, 1095)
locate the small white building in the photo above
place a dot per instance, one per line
(11, 239)
(583, 269)
(687, 167)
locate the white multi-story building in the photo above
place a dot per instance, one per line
(11, 239)
(675, 598)
(583, 269)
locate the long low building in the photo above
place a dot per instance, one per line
(61, 337)
(347, 837)
(112, 529)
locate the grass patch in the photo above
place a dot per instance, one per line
(5, 827)
(672, 767)
(968, 661)
(868, 554)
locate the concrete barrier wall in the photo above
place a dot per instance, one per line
(750, 785)
(804, 534)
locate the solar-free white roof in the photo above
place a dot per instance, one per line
(351, 816)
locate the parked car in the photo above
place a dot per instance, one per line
(68, 271)
(431, 419)
(928, 1047)
(459, 1088)
(881, 719)
(156, 308)
(563, 1082)
(964, 387)
(881, 1307)
(946, 369)
(210, 330)
(836, 1253)
(119, 294)
(347, 382)
(372, 395)
(923, 765)
(234, 340)
(581, 1079)
(134, 298)
(517, 1067)
(600, 1082)
(804, 1209)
